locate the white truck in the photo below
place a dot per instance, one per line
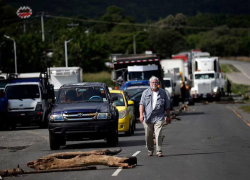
(204, 64)
(30, 98)
(174, 71)
(205, 85)
(64, 75)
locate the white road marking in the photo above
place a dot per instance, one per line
(242, 71)
(136, 153)
(117, 172)
(120, 169)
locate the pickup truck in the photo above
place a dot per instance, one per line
(83, 111)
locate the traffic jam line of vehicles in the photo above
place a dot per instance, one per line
(74, 110)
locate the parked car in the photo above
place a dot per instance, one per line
(135, 94)
(127, 121)
(83, 111)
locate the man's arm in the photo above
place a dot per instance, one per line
(141, 108)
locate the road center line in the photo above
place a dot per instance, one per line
(117, 172)
(237, 114)
(135, 154)
(120, 169)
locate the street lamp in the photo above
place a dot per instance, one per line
(8, 37)
(66, 51)
(1, 52)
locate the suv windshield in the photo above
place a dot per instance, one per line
(81, 94)
(22, 92)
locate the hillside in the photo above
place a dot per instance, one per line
(140, 10)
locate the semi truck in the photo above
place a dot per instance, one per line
(136, 67)
(204, 63)
(31, 98)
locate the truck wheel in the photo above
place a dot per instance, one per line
(53, 142)
(112, 138)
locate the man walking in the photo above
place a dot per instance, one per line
(153, 105)
(3, 108)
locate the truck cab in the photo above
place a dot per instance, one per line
(205, 85)
(30, 101)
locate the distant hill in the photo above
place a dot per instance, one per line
(141, 10)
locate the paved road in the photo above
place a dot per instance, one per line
(210, 142)
(240, 78)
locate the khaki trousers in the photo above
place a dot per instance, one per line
(150, 129)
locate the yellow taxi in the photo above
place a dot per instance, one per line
(126, 112)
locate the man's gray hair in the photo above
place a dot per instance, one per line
(152, 78)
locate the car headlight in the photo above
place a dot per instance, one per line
(215, 90)
(56, 117)
(103, 116)
(122, 114)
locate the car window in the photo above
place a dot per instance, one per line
(22, 92)
(132, 92)
(137, 98)
(120, 101)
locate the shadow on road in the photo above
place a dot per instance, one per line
(191, 113)
(191, 154)
(91, 145)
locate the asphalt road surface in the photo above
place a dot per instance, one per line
(209, 142)
(242, 77)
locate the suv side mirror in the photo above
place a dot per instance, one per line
(115, 98)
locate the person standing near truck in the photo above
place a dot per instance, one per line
(3, 108)
(153, 105)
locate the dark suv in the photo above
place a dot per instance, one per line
(83, 111)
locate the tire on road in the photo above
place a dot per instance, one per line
(54, 142)
(112, 138)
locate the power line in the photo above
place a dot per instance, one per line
(126, 24)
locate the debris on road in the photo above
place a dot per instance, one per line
(205, 103)
(74, 161)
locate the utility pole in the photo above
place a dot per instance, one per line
(42, 24)
(1, 53)
(134, 44)
(8, 37)
(66, 51)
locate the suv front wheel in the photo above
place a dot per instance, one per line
(112, 138)
(53, 142)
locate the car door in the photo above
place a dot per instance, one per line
(130, 108)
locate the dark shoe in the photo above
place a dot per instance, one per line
(150, 154)
(160, 155)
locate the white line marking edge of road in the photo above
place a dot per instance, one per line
(120, 169)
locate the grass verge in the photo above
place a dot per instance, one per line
(228, 68)
(245, 108)
(239, 88)
(103, 76)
